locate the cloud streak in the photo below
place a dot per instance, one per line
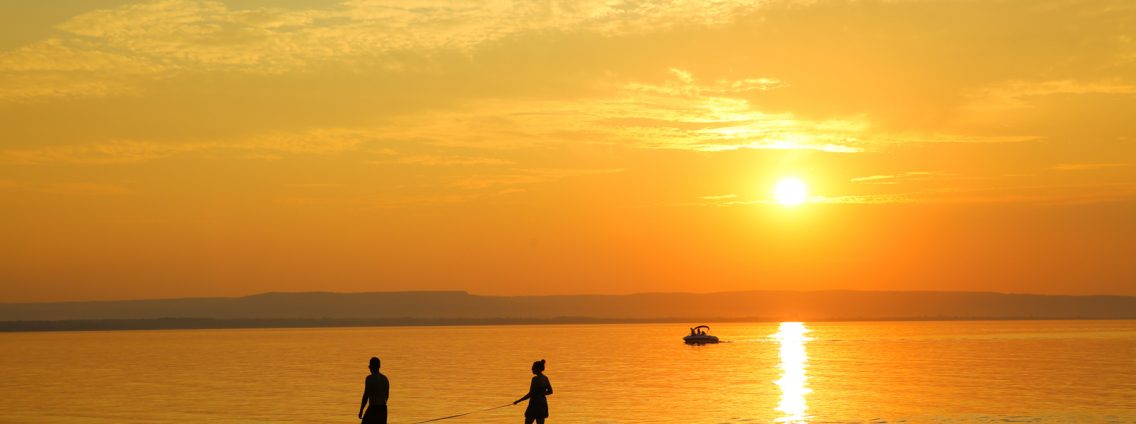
(111, 51)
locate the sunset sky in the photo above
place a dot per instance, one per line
(216, 148)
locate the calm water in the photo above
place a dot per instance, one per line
(916, 372)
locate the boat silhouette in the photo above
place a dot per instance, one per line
(700, 335)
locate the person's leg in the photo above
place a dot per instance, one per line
(540, 420)
(529, 420)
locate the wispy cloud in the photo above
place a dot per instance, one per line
(1053, 194)
(518, 177)
(938, 137)
(1086, 166)
(893, 178)
(679, 114)
(686, 114)
(1019, 93)
(443, 160)
(318, 141)
(111, 51)
(67, 188)
(1034, 194)
(110, 152)
(719, 197)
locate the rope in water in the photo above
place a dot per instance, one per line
(462, 415)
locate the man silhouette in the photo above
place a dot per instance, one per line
(376, 389)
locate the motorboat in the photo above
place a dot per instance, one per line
(700, 335)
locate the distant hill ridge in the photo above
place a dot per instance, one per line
(455, 306)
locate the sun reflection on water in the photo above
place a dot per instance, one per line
(794, 360)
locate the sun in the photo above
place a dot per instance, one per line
(790, 191)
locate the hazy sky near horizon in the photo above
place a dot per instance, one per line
(198, 148)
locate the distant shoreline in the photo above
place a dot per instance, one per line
(223, 324)
(454, 308)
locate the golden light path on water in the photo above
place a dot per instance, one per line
(791, 336)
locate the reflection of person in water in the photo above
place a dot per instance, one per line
(377, 391)
(539, 389)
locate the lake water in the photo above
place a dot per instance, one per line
(863, 372)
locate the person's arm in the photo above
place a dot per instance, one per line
(366, 391)
(526, 396)
(547, 387)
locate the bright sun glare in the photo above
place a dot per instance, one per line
(790, 191)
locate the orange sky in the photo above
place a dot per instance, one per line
(199, 148)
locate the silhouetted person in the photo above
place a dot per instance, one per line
(376, 390)
(539, 389)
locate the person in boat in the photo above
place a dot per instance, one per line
(376, 391)
(539, 390)
(692, 331)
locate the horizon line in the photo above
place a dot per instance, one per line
(468, 293)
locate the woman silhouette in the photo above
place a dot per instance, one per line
(539, 389)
